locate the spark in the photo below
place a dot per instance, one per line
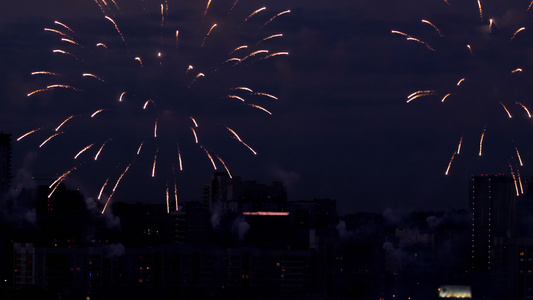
(459, 146)
(270, 37)
(44, 73)
(236, 97)
(516, 70)
(272, 19)
(470, 49)
(49, 138)
(93, 76)
(139, 60)
(167, 197)
(70, 41)
(195, 136)
(27, 133)
(238, 48)
(516, 32)
(530, 4)
(207, 7)
(446, 96)
(177, 35)
(490, 25)
(506, 110)
(261, 108)
(115, 187)
(275, 54)
(190, 67)
(209, 156)
(101, 45)
(155, 161)
(519, 157)
(96, 112)
(450, 164)
(421, 42)
(267, 95)
(525, 108)
(63, 123)
(102, 189)
(66, 53)
(481, 142)
(432, 25)
(35, 92)
(255, 12)
(514, 179)
(208, 33)
(194, 121)
(243, 88)
(147, 102)
(240, 140)
(140, 147)
(176, 195)
(116, 28)
(155, 129)
(83, 150)
(461, 81)
(520, 181)
(254, 54)
(179, 159)
(99, 151)
(400, 33)
(419, 94)
(480, 9)
(121, 96)
(58, 32)
(62, 86)
(238, 60)
(225, 167)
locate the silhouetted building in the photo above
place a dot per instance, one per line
(5, 162)
(493, 208)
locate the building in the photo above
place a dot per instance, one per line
(493, 209)
(5, 162)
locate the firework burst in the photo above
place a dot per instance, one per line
(482, 63)
(154, 82)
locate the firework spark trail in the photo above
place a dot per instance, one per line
(83, 150)
(481, 142)
(274, 17)
(270, 37)
(71, 42)
(49, 138)
(525, 108)
(36, 91)
(209, 156)
(519, 157)
(460, 81)
(243, 88)
(101, 45)
(99, 151)
(516, 70)
(28, 133)
(92, 76)
(506, 110)
(195, 135)
(235, 97)
(450, 164)
(140, 147)
(418, 94)
(434, 27)
(225, 167)
(207, 7)
(421, 42)
(255, 12)
(266, 95)
(140, 61)
(480, 9)
(63, 123)
(121, 96)
(116, 28)
(238, 48)
(96, 112)
(167, 196)
(115, 187)
(194, 122)
(275, 54)
(254, 54)
(241, 141)
(102, 189)
(207, 35)
(146, 103)
(155, 161)
(514, 179)
(58, 181)
(520, 181)
(260, 108)
(180, 162)
(57, 32)
(516, 32)
(470, 49)
(459, 146)
(155, 129)
(446, 96)
(176, 195)
(45, 73)
(530, 4)
(490, 25)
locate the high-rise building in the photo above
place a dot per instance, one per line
(5, 162)
(492, 203)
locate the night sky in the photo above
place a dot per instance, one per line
(340, 129)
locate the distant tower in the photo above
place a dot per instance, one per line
(5, 162)
(493, 209)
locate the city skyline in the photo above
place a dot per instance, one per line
(341, 128)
